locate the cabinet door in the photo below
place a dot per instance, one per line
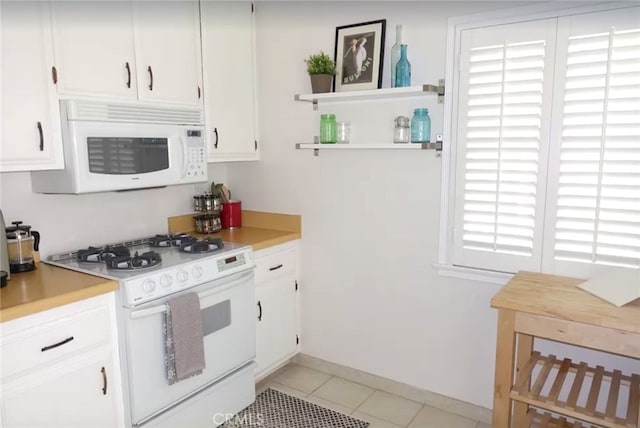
(30, 136)
(77, 393)
(276, 322)
(94, 48)
(167, 42)
(228, 61)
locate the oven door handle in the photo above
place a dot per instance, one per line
(142, 313)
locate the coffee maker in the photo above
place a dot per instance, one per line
(21, 244)
(4, 254)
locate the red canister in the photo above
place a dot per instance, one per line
(231, 215)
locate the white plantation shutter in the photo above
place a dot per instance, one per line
(505, 81)
(594, 210)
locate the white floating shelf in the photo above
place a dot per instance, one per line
(372, 94)
(370, 146)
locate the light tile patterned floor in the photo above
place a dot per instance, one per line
(379, 408)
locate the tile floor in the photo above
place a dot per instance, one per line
(379, 408)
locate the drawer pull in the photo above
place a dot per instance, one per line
(55, 345)
(276, 267)
(104, 381)
(259, 311)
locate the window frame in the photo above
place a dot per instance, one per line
(455, 26)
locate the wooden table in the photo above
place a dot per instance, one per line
(551, 307)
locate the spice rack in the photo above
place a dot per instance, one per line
(548, 391)
(370, 95)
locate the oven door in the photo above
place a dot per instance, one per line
(228, 318)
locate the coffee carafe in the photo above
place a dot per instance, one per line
(21, 243)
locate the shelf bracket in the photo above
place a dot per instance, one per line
(315, 105)
(438, 145)
(441, 92)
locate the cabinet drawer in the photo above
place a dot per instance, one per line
(273, 265)
(54, 340)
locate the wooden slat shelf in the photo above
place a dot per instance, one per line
(553, 372)
(546, 420)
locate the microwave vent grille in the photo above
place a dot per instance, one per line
(131, 113)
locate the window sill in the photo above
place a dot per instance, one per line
(491, 277)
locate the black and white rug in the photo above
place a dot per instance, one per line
(274, 409)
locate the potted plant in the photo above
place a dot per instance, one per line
(321, 69)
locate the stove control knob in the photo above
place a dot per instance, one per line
(166, 281)
(196, 272)
(182, 275)
(149, 285)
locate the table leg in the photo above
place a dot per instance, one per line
(505, 350)
(524, 348)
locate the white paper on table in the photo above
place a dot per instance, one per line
(618, 286)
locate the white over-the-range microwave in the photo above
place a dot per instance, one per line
(115, 146)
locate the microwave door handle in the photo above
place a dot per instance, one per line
(185, 162)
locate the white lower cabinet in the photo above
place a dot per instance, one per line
(60, 368)
(276, 307)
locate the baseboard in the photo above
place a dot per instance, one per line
(429, 398)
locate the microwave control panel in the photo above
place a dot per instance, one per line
(196, 154)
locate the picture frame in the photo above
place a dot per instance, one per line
(359, 55)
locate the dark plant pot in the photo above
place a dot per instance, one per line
(320, 83)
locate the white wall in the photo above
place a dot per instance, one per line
(370, 296)
(69, 222)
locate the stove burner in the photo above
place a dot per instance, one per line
(101, 254)
(144, 260)
(173, 240)
(206, 245)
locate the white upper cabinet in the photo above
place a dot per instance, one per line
(29, 118)
(146, 50)
(167, 44)
(229, 78)
(94, 50)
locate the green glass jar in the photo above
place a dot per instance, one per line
(328, 129)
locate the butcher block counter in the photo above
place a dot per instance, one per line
(552, 307)
(259, 229)
(48, 287)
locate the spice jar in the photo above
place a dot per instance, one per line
(401, 131)
(328, 128)
(344, 132)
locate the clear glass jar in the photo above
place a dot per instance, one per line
(344, 132)
(328, 129)
(420, 126)
(401, 131)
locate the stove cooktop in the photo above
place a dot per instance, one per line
(159, 269)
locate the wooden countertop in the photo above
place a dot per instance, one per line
(259, 229)
(558, 297)
(48, 287)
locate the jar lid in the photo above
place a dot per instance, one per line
(421, 111)
(327, 116)
(402, 121)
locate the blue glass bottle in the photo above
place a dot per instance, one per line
(420, 126)
(403, 69)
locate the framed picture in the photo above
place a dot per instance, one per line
(359, 56)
